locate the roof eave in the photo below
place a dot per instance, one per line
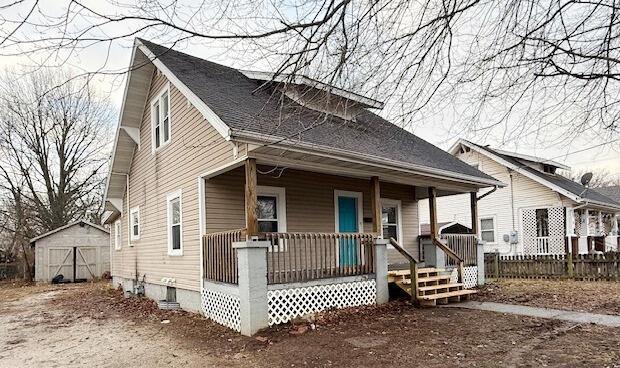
(321, 150)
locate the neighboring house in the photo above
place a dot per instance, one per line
(78, 251)
(538, 212)
(206, 155)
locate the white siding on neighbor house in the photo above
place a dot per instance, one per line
(506, 212)
(195, 147)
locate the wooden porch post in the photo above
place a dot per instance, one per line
(375, 197)
(432, 203)
(251, 201)
(473, 202)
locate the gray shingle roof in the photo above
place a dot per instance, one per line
(556, 179)
(612, 192)
(242, 105)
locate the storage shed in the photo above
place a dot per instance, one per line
(79, 251)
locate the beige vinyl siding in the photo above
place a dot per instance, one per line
(309, 202)
(195, 148)
(527, 194)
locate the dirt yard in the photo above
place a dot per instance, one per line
(580, 296)
(91, 325)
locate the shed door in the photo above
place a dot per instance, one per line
(60, 263)
(86, 262)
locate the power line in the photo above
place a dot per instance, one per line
(581, 150)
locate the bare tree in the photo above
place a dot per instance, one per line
(600, 178)
(54, 144)
(541, 70)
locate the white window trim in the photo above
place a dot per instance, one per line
(131, 223)
(360, 209)
(169, 198)
(387, 202)
(154, 100)
(280, 194)
(117, 230)
(494, 218)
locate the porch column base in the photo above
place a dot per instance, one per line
(480, 263)
(381, 271)
(252, 264)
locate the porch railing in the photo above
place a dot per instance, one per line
(465, 246)
(298, 257)
(542, 245)
(220, 259)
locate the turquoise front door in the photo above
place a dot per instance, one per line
(347, 223)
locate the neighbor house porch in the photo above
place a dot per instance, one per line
(320, 238)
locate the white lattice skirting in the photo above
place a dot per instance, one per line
(470, 276)
(286, 304)
(221, 307)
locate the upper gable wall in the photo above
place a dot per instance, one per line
(195, 148)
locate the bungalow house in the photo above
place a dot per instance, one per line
(254, 198)
(538, 212)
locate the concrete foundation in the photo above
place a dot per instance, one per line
(189, 300)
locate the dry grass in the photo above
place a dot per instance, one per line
(395, 334)
(582, 296)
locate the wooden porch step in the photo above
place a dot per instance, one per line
(399, 273)
(430, 269)
(434, 278)
(440, 286)
(447, 295)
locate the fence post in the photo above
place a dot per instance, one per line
(569, 265)
(381, 271)
(496, 265)
(252, 264)
(480, 262)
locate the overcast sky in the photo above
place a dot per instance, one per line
(437, 128)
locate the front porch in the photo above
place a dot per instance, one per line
(314, 241)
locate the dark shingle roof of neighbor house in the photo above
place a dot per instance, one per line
(425, 229)
(612, 192)
(243, 105)
(556, 179)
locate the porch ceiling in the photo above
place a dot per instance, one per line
(271, 156)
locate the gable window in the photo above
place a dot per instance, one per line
(117, 235)
(134, 223)
(487, 229)
(175, 218)
(271, 210)
(391, 219)
(160, 117)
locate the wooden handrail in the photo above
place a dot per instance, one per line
(413, 269)
(403, 251)
(449, 252)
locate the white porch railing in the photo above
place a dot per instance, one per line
(542, 245)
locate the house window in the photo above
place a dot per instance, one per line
(391, 219)
(134, 223)
(160, 116)
(542, 222)
(117, 235)
(271, 210)
(175, 230)
(487, 229)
